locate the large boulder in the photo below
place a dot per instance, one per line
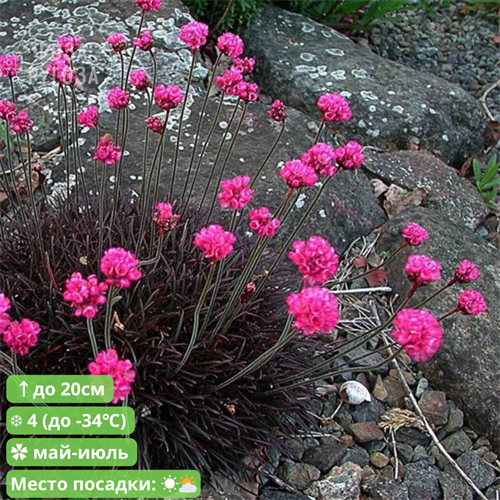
(299, 59)
(466, 367)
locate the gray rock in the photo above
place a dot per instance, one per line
(468, 376)
(294, 448)
(270, 494)
(481, 472)
(422, 482)
(208, 493)
(435, 407)
(364, 432)
(379, 460)
(299, 476)
(299, 59)
(368, 411)
(356, 455)
(381, 488)
(412, 436)
(405, 452)
(453, 487)
(341, 483)
(454, 197)
(455, 420)
(395, 391)
(457, 443)
(324, 457)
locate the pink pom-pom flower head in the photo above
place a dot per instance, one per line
(194, 34)
(215, 242)
(106, 151)
(297, 174)
(418, 332)
(315, 310)
(139, 79)
(69, 44)
(117, 41)
(120, 267)
(278, 111)
(321, 157)
(422, 270)
(149, 5)
(236, 193)
(246, 91)
(262, 221)
(85, 295)
(108, 363)
(60, 69)
(230, 45)
(315, 259)
(9, 65)
(4, 315)
(21, 122)
(471, 302)
(245, 65)
(7, 110)
(144, 41)
(168, 97)
(334, 108)
(118, 98)
(155, 124)
(21, 336)
(229, 80)
(165, 218)
(414, 234)
(89, 117)
(466, 272)
(350, 156)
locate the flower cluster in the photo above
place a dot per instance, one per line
(168, 97)
(334, 108)
(350, 156)
(85, 295)
(246, 91)
(4, 315)
(229, 80)
(245, 65)
(414, 234)
(278, 111)
(315, 310)
(144, 41)
(106, 151)
(68, 44)
(262, 221)
(155, 124)
(149, 5)
(422, 270)
(297, 174)
(117, 41)
(315, 259)
(230, 45)
(120, 267)
(321, 157)
(194, 34)
(108, 363)
(235, 193)
(165, 218)
(7, 110)
(215, 242)
(61, 70)
(139, 79)
(89, 117)
(471, 302)
(466, 272)
(419, 333)
(21, 336)
(9, 65)
(21, 122)
(118, 98)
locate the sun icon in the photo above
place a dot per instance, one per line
(188, 485)
(168, 483)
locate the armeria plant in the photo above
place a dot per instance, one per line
(190, 317)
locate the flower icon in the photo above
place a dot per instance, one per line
(16, 420)
(19, 452)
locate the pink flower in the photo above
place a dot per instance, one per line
(471, 302)
(422, 270)
(321, 157)
(247, 91)
(120, 267)
(108, 363)
(155, 124)
(4, 303)
(7, 110)
(4, 316)
(60, 69)
(467, 272)
(414, 234)
(262, 221)
(230, 45)
(194, 34)
(165, 218)
(21, 122)
(235, 193)
(229, 80)
(278, 111)
(118, 98)
(85, 295)
(89, 117)
(334, 108)
(298, 175)
(168, 97)
(245, 65)
(215, 242)
(9, 65)
(350, 156)
(139, 79)
(315, 259)
(106, 151)
(21, 336)
(144, 41)
(149, 5)
(419, 333)
(315, 310)
(69, 44)
(117, 41)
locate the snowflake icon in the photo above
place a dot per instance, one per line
(19, 452)
(16, 420)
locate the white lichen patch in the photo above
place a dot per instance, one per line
(308, 28)
(307, 57)
(368, 95)
(359, 73)
(398, 109)
(335, 52)
(301, 200)
(338, 74)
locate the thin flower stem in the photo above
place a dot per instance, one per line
(201, 117)
(109, 312)
(96, 171)
(228, 155)
(93, 341)
(122, 74)
(14, 364)
(102, 203)
(134, 50)
(70, 145)
(157, 257)
(179, 131)
(320, 131)
(450, 313)
(64, 140)
(196, 320)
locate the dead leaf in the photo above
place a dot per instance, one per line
(496, 39)
(398, 199)
(379, 187)
(360, 261)
(376, 278)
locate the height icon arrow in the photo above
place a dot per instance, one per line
(24, 384)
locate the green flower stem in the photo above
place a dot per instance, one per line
(109, 311)
(14, 364)
(64, 139)
(196, 321)
(201, 117)
(157, 257)
(93, 341)
(134, 50)
(102, 204)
